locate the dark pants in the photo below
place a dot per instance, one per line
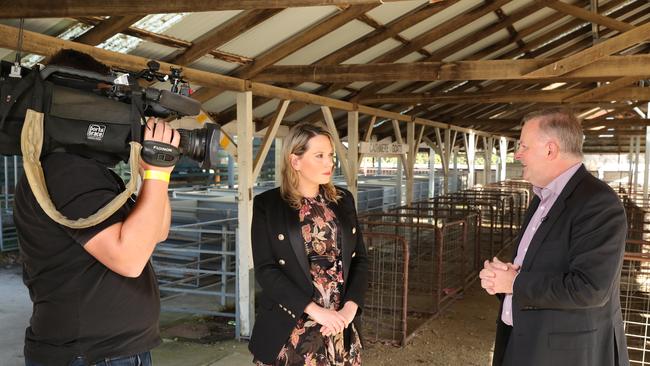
(501, 344)
(141, 359)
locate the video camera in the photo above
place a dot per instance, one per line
(96, 115)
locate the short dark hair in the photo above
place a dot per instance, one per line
(78, 60)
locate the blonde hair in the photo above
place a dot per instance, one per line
(296, 143)
(562, 124)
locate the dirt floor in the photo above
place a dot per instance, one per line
(462, 335)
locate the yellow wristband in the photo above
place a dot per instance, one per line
(156, 174)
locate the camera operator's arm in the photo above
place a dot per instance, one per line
(125, 247)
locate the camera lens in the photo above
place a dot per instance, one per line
(192, 143)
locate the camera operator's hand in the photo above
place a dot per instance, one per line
(159, 131)
(126, 247)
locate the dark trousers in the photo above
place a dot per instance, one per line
(501, 344)
(141, 359)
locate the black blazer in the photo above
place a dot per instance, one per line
(282, 268)
(566, 305)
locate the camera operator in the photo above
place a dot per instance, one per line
(95, 293)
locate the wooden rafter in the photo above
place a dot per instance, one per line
(518, 96)
(608, 67)
(603, 90)
(441, 30)
(76, 8)
(587, 15)
(594, 53)
(223, 33)
(107, 28)
(289, 46)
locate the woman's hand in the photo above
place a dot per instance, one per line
(331, 321)
(348, 313)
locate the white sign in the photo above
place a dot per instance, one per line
(382, 148)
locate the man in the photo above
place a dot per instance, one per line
(560, 296)
(95, 294)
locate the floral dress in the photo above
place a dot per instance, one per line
(306, 345)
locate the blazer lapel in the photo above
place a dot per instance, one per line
(344, 235)
(552, 216)
(296, 239)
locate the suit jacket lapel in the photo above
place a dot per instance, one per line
(552, 216)
(344, 235)
(296, 239)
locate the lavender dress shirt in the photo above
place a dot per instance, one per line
(547, 196)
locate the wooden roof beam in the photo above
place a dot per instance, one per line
(223, 34)
(518, 96)
(587, 15)
(594, 53)
(609, 66)
(75, 8)
(371, 39)
(442, 30)
(289, 46)
(604, 89)
(108, 28)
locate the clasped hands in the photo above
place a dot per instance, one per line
(498, 277)
(332, 321)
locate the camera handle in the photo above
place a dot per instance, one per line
(31, 142)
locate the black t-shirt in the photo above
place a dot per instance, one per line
(81, 308)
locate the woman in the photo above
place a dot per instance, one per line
(310, 261)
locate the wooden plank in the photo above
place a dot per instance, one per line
(290, 46)
(398, 137)
(366, 137)
(353, 153)
(594, 53)
(48, 46)
(607, 67)
(223, 33)
(603, 90)
(587, 15)
(371, 39)
(341, 151)
(389, 30)
(245, 283)
(441, 30)
(268, 138)
(107, 28)
(76, 8)
(515, 96)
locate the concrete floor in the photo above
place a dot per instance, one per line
(16, 307)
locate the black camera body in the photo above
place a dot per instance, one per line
(94, 115)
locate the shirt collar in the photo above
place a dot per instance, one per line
(557, 185)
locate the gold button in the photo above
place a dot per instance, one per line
(354, 254)
(280, 237)
(293, 316)
(281, 261)
(354, 230)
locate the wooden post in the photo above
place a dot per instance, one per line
(503, 144)
(245, 277)
(412, 150)
(353, 153)
(432, 170)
